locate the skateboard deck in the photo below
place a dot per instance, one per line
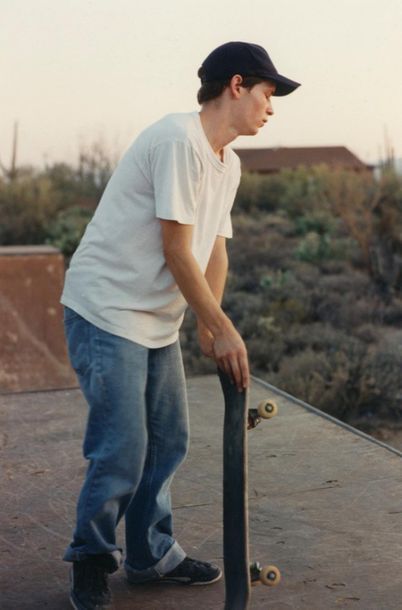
(239, 574)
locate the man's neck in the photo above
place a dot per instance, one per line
(217, 129)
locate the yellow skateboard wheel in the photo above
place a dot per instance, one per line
(267, 409)
(270, 576)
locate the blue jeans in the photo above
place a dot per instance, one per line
(136, 437)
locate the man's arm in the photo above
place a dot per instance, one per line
(228, 347)
(215, 275)
(217, 269)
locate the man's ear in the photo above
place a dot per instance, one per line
(235, 85)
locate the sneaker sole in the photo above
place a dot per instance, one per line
(80, 607)
(74, 604)
(173, 581)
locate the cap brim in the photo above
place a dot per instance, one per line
(284, 85)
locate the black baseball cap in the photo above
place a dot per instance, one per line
(246, 59)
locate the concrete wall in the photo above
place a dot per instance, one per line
(32, 349)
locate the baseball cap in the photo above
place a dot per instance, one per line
(246, 59)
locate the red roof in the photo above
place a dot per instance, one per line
(274, 159)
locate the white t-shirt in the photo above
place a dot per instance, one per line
(118, 278)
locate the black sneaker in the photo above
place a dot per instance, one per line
(188, 572)
(193, 572)
(89, 586)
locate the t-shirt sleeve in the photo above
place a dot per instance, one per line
(176, 175)
(226, 229)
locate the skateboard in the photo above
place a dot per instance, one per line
(240, 574)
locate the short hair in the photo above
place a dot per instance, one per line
(213, 89)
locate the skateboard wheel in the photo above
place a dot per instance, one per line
(267, 409)
(270, 576)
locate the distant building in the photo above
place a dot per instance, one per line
(273, 160)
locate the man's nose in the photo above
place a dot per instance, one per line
(270, 109)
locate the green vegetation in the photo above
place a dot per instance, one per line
(52, 205)
(315, 288)
(315, 282)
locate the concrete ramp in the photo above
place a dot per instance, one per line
(33, 352)
(325, 506)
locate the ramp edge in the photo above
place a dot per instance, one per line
(315, 411)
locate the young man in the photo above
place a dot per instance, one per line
(155, 244)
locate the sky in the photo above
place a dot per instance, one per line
(78, 72)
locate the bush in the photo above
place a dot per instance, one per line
(315, 281)
(320, 222)
(349, 381)
(27, 205)
(304, 300)
(67, 229)
(31, 199)
(258, 193)
(314, 248)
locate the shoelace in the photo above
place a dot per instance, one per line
(191, 565)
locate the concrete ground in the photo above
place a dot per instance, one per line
(325, 507)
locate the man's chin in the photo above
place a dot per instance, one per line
(250, 132)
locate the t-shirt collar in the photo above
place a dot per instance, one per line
(221, 165)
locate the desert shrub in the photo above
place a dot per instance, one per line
(368, 333)
(259, 193)
(304, 300)
(316, 336)
(392, 313)
(31, 199)
(305, 193)
(241, 306)
(305, 375)
(95, 166)
(346, 283)
(285, 298)
(248, 197)
(320, 222)
(345, 248)
(264, 339)
(382, 376)
(68, 227)
(64, 179)
(295, 193)
(371, 211)
(344, 204)
(350, 380)
(314, 248)
(352, 198)
(82, 185)
(278, 279)
(343, 300)
(27, 206)
(326, 380)
(257, 245)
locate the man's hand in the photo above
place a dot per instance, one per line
(230, 354)
(228, 351)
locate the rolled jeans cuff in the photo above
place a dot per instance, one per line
(110, 561)
(169, 562)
